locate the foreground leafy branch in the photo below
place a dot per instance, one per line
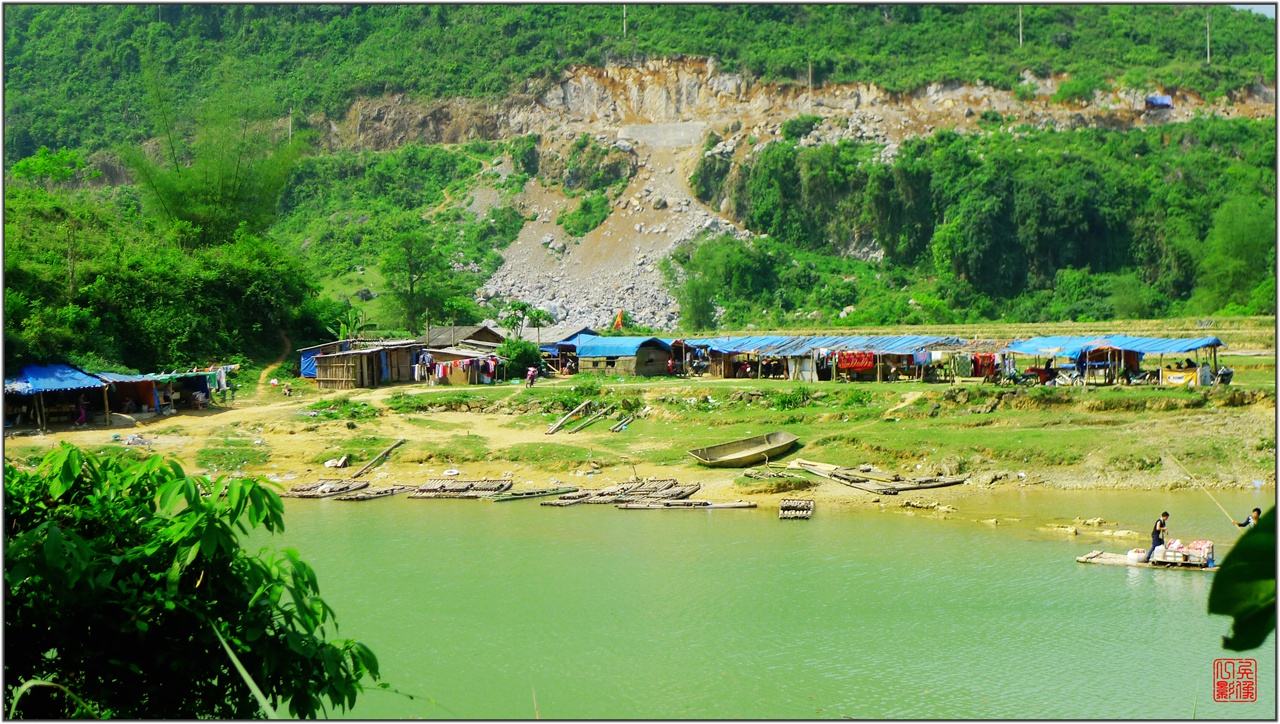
(123, 580)
(1245, 588)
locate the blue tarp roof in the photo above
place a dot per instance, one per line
(1073, 346)
(590, 345)
(1160, 101)
(34, 379)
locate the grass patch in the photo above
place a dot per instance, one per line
(457, 449)
(554, 454)
(343, 408)
(359, 449)
(229, 454)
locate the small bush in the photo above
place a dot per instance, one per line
(343, 409)
(801, 396)
(591, 212)
(800, 126)
(1025, 92)
(1080, 88)
(520, 354)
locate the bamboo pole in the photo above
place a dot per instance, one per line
(378, 457)
(560, 423)
(1206, 490)
(106, 408)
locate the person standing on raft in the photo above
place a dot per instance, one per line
(1252, 520)
(1158, 533)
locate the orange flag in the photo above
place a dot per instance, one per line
(617, 321)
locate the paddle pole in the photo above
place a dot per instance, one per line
(1206, 490)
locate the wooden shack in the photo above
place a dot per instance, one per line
(457, 366)
(349, 370)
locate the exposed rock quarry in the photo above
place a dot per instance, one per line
(660, 111)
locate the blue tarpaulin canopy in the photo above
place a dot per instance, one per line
(1159, 101)
(590, 345)
(1072, 347)
(34, 379)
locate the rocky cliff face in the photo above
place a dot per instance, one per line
(660, 111)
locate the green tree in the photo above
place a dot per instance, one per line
(232, 171)
(1245, 586)
(124, 578)
(1241, 240)
(50, 168)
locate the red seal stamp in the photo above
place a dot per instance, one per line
(1235, 680)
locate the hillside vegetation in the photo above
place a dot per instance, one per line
(1022, 226)
(75, 73)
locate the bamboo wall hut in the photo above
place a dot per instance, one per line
(348, 370)
(458, 366)
(50, 394)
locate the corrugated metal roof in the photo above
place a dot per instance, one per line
(554, 334)
(117, 377)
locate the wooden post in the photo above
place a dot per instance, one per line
(879, 372)
(106, 408)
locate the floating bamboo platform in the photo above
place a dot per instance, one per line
(374, 493)
(327, 488)
(1119, 559)
(685, 505)
(535, 493)
(568, 499)
(795, 509)
(468, 489)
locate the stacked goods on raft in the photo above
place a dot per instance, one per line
(1195, 556)
(748, 451)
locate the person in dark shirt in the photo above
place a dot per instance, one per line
(1159, 532)
(1252, 520)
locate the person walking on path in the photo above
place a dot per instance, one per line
(1159, 532)
(1252, 520)
(530, 375)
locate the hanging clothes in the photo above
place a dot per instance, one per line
(984, 365)
(964, 365)
(856, 361)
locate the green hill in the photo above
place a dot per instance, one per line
(74, 73)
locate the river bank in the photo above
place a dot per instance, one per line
(1003, 439)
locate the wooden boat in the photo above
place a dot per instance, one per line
(844, 476)
(536, 493)
(748, 451)
(333, 487)
(1119, 559)
(684, 505)
(373, 493)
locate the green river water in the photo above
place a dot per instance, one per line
(602, 613)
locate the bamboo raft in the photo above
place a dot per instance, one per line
(795, 509)
(535, 493)
(470, 489)
(327, 488)
(568, 499)
(374, 493)
(685, 505)
(1119, 559)
(874, 483)
(677, 492)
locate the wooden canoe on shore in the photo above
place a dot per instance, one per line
(1119, 559)
(536, 493)
(685, 505)
(374, 493)
(482, 488)
(748, 451)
